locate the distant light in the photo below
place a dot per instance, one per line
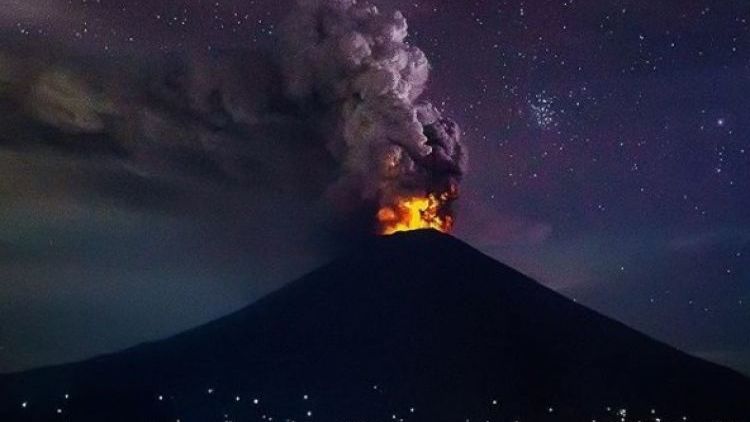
(550, 410)
(309, 413)
(411, 410)
(210, 391)
(67, 396)
(494, 402)
(24, 404)
(59, 410)
(160, 397)
(255, 401)
(304, 397)
(237, 398)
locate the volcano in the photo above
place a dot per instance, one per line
(417, 326)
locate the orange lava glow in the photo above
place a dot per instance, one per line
(416, 212)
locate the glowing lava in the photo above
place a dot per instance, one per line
(417, 212)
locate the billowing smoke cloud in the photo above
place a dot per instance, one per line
(354, 61)
(334, 113)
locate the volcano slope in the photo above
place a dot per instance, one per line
(417, 326)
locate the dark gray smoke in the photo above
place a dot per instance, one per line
(334, 113)
(354, 61)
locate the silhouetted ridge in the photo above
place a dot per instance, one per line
(419, 325)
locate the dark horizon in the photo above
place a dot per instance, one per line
(393, 329)
(365, 243)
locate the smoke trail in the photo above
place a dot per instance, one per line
(335, 112)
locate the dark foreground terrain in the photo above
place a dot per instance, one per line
(417, 326)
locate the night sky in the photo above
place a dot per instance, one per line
(609, 159)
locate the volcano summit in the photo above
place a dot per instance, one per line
(417, 326)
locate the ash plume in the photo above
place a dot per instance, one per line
(333, 116)
(354, 62)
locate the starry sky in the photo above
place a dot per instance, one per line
(608, 159)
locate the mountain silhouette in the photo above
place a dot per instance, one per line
(417, 326)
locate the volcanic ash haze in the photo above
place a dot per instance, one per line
(332, 116)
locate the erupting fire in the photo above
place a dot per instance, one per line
(417, 212)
